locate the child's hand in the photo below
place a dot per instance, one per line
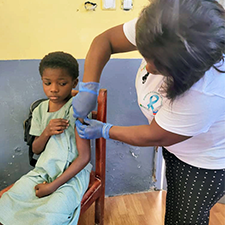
(56, 126)
(44, 189)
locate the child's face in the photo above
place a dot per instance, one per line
(57, 84)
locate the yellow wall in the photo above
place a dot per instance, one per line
(31, 28)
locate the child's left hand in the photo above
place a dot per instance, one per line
(44, 189)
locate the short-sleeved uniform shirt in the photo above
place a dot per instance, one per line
(61, 149)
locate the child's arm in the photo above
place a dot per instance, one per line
(55, 126)
(77, 165)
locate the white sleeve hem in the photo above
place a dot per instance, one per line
(129, 31)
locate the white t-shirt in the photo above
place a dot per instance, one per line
(199, 112)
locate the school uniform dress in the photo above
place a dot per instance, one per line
(20, 205)
(195, 168)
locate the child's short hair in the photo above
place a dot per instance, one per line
(183, 38)
(60, 60)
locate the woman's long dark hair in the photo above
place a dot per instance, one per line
(183, 38)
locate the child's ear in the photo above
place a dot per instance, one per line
(75, 82)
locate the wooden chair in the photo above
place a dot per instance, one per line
(96, 189)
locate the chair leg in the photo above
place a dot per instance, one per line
(99, 210)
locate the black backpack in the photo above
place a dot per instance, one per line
(26, 126)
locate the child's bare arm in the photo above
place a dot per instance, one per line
(77, 165)
(55, 126)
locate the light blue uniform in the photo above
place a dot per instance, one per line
(20, 205)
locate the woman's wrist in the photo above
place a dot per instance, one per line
(105, 130)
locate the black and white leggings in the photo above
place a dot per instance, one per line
(191, 191)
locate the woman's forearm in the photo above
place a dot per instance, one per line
(133, 135)
(145, 135)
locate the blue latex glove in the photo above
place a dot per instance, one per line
(93, 129)
(85, 101)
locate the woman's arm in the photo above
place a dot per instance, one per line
(84, 156)
(109, 42)
(141, 135)
(105, 44)
(145, 135)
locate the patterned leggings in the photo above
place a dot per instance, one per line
(191, 191)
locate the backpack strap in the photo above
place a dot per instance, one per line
(26, 125)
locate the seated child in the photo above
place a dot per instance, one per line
(51, 193)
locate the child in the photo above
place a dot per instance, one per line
(51, 193)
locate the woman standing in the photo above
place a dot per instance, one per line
(180, 89)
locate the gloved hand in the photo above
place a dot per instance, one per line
(85, 101)
(93, 129)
